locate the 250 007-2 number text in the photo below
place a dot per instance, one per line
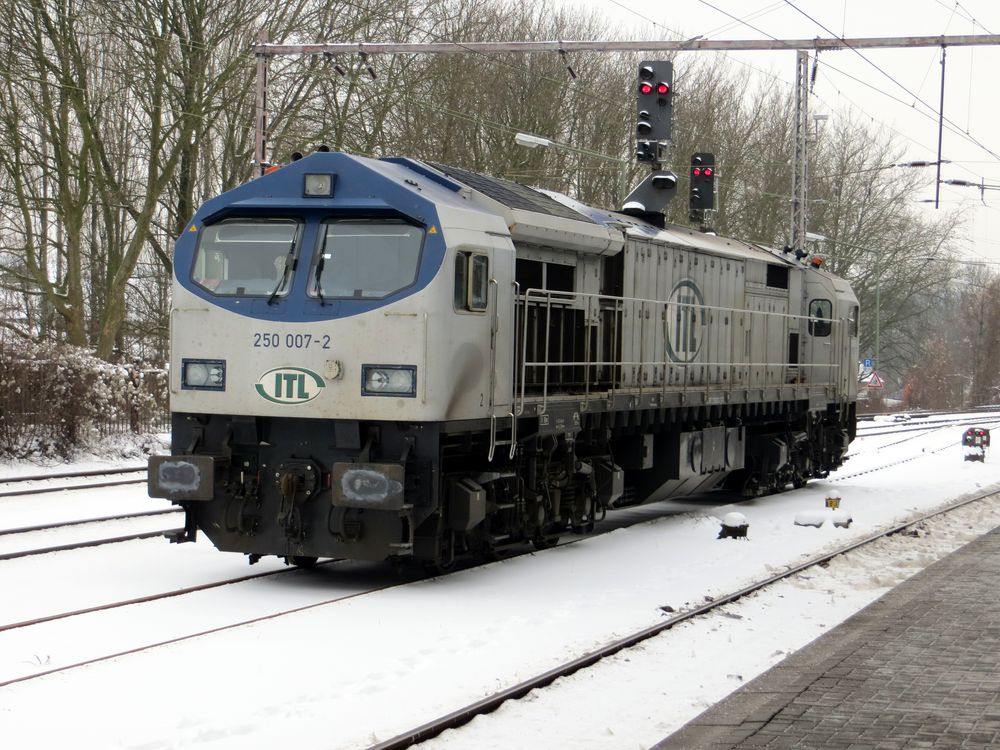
(290, 341)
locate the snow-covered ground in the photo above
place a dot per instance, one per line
(360, 669)
(644, 694)
(112, 452)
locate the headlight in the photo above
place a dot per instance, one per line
(203, 374)
(389, 380)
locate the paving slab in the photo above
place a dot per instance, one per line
(919, 667)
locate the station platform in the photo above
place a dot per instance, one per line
(919, 667)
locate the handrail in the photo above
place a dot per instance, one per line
(776, 372)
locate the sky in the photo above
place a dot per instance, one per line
(849, 83)
(350, 668)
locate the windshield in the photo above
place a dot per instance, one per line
(366, 259)
(244, 257)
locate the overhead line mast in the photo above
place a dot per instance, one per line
(800, 160)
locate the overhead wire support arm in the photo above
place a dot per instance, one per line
(264, 50)
(456, 48)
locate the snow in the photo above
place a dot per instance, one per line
(351, 668)
(841, 518)
(811, 518)
(639, 696)
(34, 510)
(111, 452)
(734, 520)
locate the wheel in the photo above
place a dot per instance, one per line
(438, 568)
(751, 486)
(544, 542)
(304, 561)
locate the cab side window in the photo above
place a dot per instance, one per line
(854, 321)
(472, 281)
(820, 317)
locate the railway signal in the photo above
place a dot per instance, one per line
(702, 197)
(654, 108)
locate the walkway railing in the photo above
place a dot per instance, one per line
(597, 345)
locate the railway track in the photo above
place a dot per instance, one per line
(455, 719)
(187, 636)
(490, 703)
(840, 476)
(82, 521)
(145, 599)
(929, 427)
(91, 542)
(20, 486)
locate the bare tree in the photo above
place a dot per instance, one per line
(117, 120)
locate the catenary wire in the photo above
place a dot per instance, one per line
(881, 70)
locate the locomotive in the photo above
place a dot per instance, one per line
(388, 359)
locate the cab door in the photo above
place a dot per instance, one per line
(501, 308)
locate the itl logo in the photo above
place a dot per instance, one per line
(289, 385)
(686, 318)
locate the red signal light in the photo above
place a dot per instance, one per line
(708, 171)
(696, 171)
(645, 88)
(662, 88)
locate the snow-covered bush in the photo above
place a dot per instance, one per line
(56, 399)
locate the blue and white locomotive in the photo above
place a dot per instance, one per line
(386, 359)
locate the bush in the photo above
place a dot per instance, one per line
(55, 399)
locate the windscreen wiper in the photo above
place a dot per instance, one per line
(285, 273)
(318, 275)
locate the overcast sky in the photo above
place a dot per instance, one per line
(888, 94)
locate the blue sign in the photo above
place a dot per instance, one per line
(868, 363)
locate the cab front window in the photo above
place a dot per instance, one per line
(246, 257)
(366, 259)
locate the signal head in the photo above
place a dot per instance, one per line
(654, 106)
(702, 196)
(644, 126)
(645, 151)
